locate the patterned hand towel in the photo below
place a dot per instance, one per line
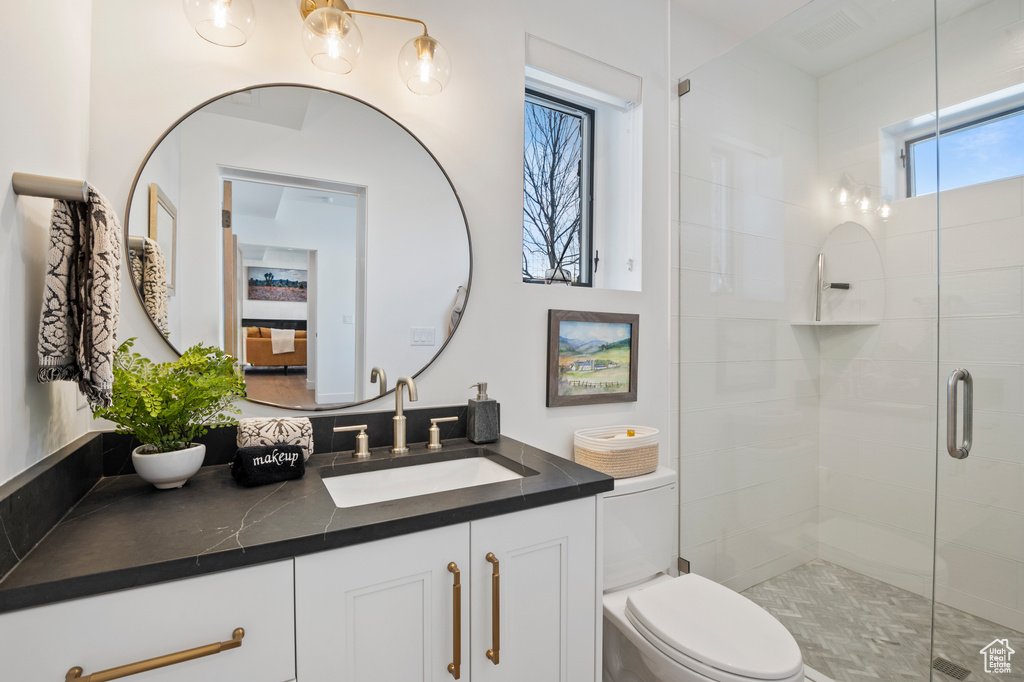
(78, 324)
(154, 284)
(271, 431)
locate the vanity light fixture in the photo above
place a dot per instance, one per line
(865, 202)
(228, 23)
(333, 43)
(842, 193)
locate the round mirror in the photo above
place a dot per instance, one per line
(306, 233)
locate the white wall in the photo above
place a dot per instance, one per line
(748, 236)
(878, 385)
(44, 88)
(474, 128)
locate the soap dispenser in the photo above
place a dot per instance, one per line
(482, 423)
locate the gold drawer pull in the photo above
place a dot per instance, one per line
(455, 667)
(158, 662)
(492, 653)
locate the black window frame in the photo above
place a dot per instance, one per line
(908, 145)
(587, 253)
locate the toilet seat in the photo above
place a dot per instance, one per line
(724, 632)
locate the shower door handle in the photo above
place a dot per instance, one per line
(961, 450)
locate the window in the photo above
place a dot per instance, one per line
(557, 191)
(979, 150)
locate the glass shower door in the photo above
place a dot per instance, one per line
(979, 155)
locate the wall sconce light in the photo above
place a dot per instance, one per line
(843, 192)
(865, 202)
(228, 23)
(884, 210)
(333, 43)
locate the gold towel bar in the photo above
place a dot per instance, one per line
(50, 188)
(158, 662)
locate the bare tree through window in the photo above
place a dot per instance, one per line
(555, 172)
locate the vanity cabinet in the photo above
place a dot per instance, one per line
(110, 630)
(547, 584)
(386, 610)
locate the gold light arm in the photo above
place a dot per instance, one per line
(158, 662)
(308, 6)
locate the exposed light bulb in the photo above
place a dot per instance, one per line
(220, 13)
(843, 197)
(424, 65)
(333, 47)
(884, 211)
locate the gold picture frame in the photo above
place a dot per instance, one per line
(163, 229)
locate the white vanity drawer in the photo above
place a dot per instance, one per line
(111, 630)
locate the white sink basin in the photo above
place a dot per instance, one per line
(353, 490)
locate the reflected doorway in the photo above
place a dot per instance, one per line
(298, 257)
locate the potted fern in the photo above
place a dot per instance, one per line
(168, 405)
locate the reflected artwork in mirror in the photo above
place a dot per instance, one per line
(314, 239)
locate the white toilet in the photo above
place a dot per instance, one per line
(686, 629)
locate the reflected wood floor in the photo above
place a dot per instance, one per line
(273, 385)
(854, 628)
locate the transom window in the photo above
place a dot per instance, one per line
(557, 191)
(980, 150)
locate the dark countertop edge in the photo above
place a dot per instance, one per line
(40, 594)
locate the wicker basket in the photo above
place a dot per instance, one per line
(609, 450)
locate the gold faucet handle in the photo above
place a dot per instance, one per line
(362, 440)
(435, 432)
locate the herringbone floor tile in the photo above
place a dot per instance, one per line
(854, 628)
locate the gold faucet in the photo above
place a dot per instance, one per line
(399, 419)
(376, 373)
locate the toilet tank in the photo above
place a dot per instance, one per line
(639, 538)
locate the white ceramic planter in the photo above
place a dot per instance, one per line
(168, 469)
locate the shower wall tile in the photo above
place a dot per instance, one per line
(982, 293)
(997, 612)
(714, 384)
(904, 550)
(739, 553)
(987, 202)
(722, 428)
(899, 465)
(718, 473)
(702, 559)
(786, 562)
(980, 527)
(983, 245)
(982, 481)
(719, 516)
(878, 502)
(997, 339)
(748, 241)
(1020, 564)
(984, 575)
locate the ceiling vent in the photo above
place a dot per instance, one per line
(828, 31)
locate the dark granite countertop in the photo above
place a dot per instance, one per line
(126, 533)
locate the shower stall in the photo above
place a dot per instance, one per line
(850, 272)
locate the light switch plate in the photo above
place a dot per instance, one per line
(422, 336)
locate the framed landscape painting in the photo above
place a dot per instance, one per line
(592, 357)
(277, 284)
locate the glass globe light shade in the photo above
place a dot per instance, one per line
(228, 23)
(424, 65)
(332, 40)
(865, 202)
